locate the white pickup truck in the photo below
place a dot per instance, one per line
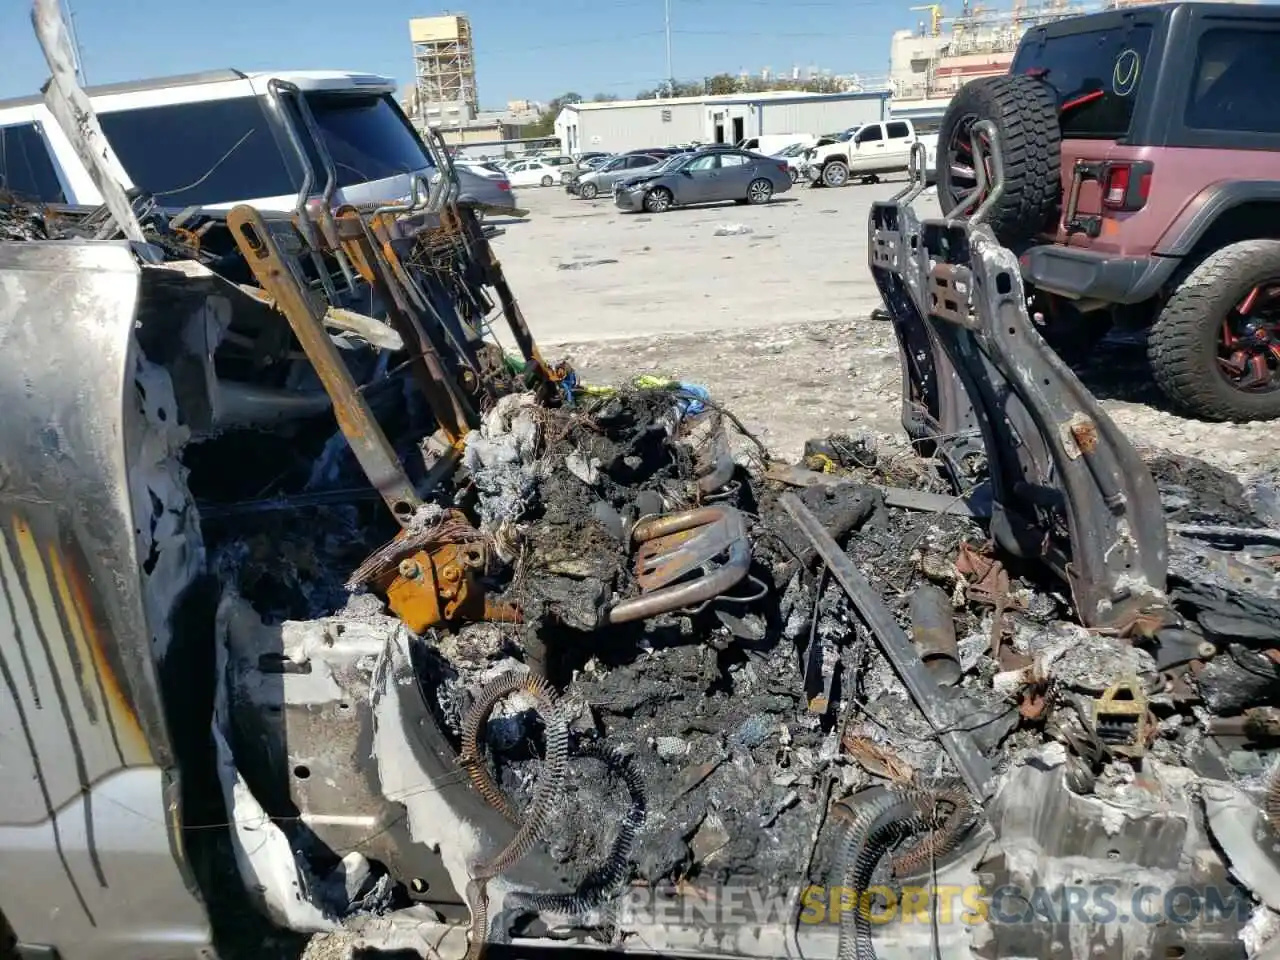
(867, 152)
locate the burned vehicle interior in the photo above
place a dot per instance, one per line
(465, 650)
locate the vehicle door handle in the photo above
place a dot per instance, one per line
(880, 146)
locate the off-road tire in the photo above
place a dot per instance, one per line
(1182, 346)
(835, 170)
(1025, 114)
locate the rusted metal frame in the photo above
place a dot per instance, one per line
(936, 411)
(276, 91)
(443, 315)
(1068, 486)
(481, 251)
(276, 270)
(383, 230)
(676, 545)
(893, 642)
(451, 409)
(323, 211)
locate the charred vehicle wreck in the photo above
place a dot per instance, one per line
(315, 591)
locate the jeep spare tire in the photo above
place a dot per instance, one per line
(1024, 111)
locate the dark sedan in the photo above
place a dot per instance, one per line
(707, 176)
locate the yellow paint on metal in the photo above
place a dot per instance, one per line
(80, 692)
(74, 596)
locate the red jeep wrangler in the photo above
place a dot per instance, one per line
(1142, 159)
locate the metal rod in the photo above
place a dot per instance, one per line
(988, 129)
(897, 649)
(280, 279)
(276, 90)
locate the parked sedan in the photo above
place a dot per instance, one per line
(533, 173)
(705, 177)
(794, 157)
(594, 162)
(590, 184)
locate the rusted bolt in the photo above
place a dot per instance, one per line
(410, 570)
(1085, 433)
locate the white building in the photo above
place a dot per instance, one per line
(623, 125)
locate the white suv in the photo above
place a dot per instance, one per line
(217, 139)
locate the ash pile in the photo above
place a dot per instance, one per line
(675, 684)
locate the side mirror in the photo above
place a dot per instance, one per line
(687, 172)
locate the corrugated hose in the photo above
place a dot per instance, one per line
(601, 884)
(471, 758)
(945, 838)
(876, 824)
(545, 795)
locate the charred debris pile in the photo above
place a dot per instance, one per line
(663, 663)
(602, 588)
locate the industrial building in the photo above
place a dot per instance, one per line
(444, 67)
(632, 124)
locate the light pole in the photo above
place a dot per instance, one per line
(671, 77)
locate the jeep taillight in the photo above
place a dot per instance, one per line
(1126, 185)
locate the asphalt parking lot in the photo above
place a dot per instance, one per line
(585, 270)
(774, 317)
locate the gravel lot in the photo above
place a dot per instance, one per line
(775, 321)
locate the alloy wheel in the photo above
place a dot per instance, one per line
(759, 191)
(1249, 341)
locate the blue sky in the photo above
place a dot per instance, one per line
(524, 48)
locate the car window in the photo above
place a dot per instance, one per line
(206, 152)
(898, 130)
(367, 136)
(643, 161)
(706, 162)
(617, 163)
(1095, 75)
(1233, 87)
(733, 160)
(26, 171)
(869, 134)
(219, 151)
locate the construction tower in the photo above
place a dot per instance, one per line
(444, 65)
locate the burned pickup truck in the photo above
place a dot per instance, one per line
(320, 600)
